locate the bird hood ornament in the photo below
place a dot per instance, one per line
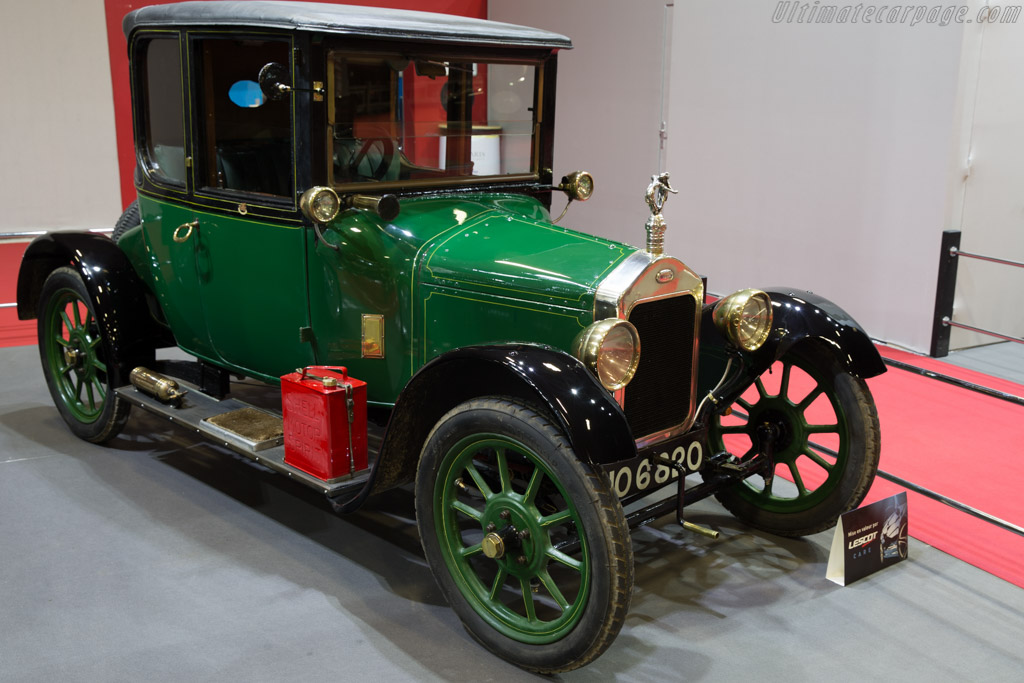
(657, 193)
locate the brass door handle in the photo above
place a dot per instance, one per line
(178, 237)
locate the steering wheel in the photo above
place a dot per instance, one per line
(378, 152)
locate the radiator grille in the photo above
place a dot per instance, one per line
(658, 397)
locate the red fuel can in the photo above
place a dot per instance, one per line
(324, 422)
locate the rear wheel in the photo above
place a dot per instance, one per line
(528, 544)
(826, 444)
(74, 360)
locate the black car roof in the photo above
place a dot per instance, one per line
(370, 22)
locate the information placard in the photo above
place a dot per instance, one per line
(868, 539)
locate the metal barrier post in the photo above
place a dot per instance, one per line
(944, 291)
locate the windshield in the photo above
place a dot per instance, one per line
(422, 120)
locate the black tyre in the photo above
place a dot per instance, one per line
(527, 543)
(74, 360)
(128, 220)
(826, 451)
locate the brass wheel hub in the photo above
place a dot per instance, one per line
(493, 545)
(72, 357)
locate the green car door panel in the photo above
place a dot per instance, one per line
(233, 290)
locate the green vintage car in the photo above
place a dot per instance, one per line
(323, 186)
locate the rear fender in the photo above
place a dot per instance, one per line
(118, 296)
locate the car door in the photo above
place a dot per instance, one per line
(165, 202)
(249, 239)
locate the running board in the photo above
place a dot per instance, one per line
(195, 410)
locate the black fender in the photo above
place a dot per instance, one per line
(549, 378)
(130, 334)
(797, 316)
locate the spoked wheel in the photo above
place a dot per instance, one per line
(74, 363)
(825, 443)
(529, 546)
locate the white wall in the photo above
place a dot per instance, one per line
(814, 156)
(57, 146)
(608, 113)
(810, 155)
(821, 156)
(987, 203)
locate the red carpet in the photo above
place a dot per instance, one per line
(963, 445)
(956, 442)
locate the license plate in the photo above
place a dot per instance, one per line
(648, 472)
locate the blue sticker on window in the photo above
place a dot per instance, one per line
(247, 94)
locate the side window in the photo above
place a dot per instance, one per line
(245, 140)
(163, 145)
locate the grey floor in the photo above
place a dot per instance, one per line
(1005, 359)
(162, 558)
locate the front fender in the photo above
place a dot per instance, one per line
(117, 294)
(551, 379)
(797, 316)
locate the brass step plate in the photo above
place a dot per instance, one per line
(261, 429)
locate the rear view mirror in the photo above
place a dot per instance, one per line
(273, 81)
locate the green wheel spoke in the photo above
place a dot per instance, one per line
(88, 319)
(99, 365)
(797, 479)
(784, 382)
(531, 610)
(91, 397)
(824, 464)
(810, 398)
(78, 389)
(821, 429)
(555, 519)
(101, 391)
(559, 556)
(506, 481)
(62, 341)
(93, 343)
(760, 388)
(552, 589)
(533, 486)
(499, 583)
(467, 510)
(67, 321)
(78, 313)
(746, 405)
(472, 550)
(478, 479)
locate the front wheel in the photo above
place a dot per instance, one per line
(527, 543)
(826, 444)
(74, 363)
